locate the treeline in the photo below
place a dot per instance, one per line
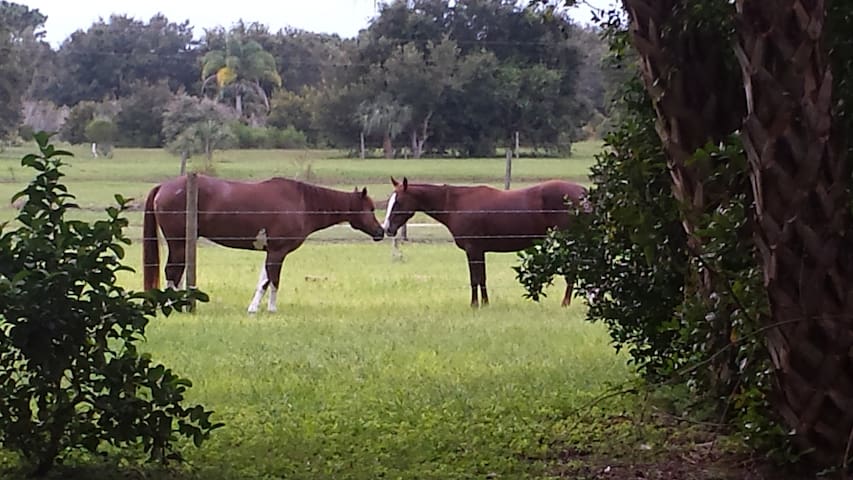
(425, 77)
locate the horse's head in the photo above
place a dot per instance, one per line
(401, 207)
(362, 217)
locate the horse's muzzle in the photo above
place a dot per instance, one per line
(379, 234)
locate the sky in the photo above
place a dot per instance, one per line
(344, 17)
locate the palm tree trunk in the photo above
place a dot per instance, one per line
(800, 182)
(697, 101)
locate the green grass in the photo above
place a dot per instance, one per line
(322, 166)
(371, 368)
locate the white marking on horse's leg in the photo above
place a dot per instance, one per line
(271, 302)
(260, 290)
(260, 239)
(387, 222)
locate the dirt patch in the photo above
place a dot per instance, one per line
(702, 462)
(666, 450)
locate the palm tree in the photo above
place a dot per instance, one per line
(384, 116)
(800, 178)
(244, 66)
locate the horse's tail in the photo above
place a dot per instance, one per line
(150, 245)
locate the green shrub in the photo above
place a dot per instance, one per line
(71, 374)
(287, 138)
(268, 137)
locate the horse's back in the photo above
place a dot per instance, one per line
(510, 220)
(555, 193)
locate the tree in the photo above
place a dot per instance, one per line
(192, 125)
(20, 37)
(385, 117)
(243, 67)
(296, 110)
(140, 116)
(421, 80)
(794, 279)
(102, 132)
(73, 129)
(113, 57)
(71, 373)
(426, 54)
(802, 183)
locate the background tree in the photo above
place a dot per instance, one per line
(112, 58)
(102, 132)
(385, 117)
(425, 54)
(140, 116)
(194, 125)
(243, 66)
(20, 37)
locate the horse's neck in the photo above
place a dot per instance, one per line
(433, 200)
(328, 207)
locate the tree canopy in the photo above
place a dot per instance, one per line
(464, 77)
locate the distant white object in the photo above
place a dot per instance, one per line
(94, 149)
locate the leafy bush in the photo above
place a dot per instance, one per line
(288, 137)
(102, 132)
(71, 374)
(268, 137)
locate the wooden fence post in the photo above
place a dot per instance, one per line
(191, 234)
(508, 174)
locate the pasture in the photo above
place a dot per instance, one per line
(371, 368)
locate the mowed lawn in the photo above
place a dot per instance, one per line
(371, 368)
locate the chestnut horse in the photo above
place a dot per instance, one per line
(274, 215)
(485, 219)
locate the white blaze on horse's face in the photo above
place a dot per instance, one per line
(260, 240)
(391, 201)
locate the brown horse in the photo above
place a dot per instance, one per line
(484, 219)
(274, 215)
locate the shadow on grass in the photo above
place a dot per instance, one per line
(12, 468)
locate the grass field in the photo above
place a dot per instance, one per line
(371, 368)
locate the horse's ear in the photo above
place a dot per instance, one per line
(364, 192)
(394, 182)
(405, 183)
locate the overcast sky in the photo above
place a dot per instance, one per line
(344, 17)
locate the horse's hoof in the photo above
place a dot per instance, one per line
(252, 310)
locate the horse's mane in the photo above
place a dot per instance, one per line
(313, 194)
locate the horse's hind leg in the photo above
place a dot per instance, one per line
(269, 278)
(263, 282)
(175, 263)
(477, 270)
